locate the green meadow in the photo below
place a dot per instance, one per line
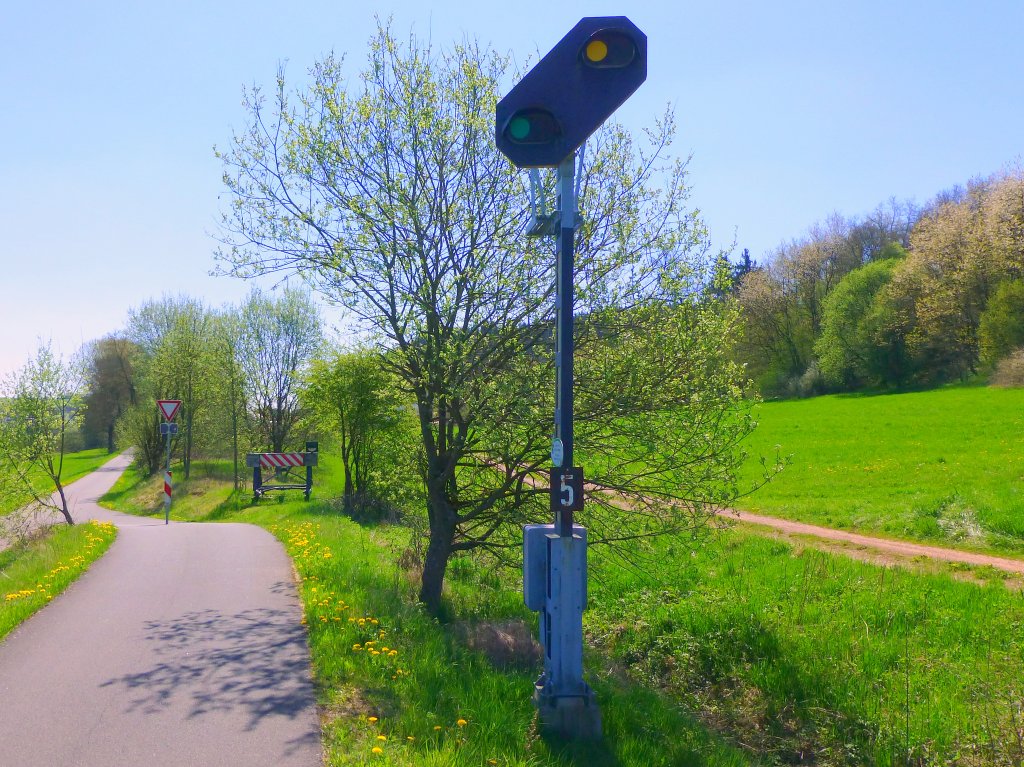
(76, 465)
(944, 466)
(735, 650)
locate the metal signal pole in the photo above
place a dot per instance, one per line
(541, 123)
(566, 703)
(565, 263)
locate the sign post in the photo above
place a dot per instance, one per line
(541, 123)
(169, 409)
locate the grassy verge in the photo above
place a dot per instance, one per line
(32, 574)
(76, 465)
(206, 495)
(746, 651)
(943, 466)
(806, 656)
(400, 688)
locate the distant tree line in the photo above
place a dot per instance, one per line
(236, 371)
(902, 297)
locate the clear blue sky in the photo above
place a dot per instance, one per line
(109, 187)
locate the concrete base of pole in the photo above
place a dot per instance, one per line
(569, 718)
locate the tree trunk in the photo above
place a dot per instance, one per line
(349, 489)
(439, 550)
(64, 504)
(110, 438)
(234, 435)
(187, 452)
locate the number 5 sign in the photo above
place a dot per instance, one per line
(567, 488)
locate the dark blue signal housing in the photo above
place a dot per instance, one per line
(571, 91)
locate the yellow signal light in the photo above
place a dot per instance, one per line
(597, 50)
(609, 49)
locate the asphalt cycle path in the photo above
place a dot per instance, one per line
(182, 645)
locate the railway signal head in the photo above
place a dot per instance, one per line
(571, 91)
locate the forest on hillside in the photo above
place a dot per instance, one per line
(903, 297)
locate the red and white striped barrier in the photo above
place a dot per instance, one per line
(278, 461)
(167, 488)
(282, 460)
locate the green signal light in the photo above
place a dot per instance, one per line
(532, 126)
(519, 128)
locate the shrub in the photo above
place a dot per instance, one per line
(810, 383)
(1001, 329)
(1010, 370)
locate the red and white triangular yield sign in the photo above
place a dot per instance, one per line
(169, 407)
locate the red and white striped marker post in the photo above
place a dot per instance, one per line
(167, 496)
(169, 409)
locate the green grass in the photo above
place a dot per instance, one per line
(800, 653)
(206, 495)
(33, 573)
(434, 679)
(76, 465)
(437, 702)
(945, 466)
(745, 651)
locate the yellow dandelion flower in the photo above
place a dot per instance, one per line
(371, 719)
(409, 737)
(382, 737)
(437, 727)
(393, 653)
(462, 722)
(377, 750)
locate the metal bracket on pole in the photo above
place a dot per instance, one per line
(542, 223)
(579, 175)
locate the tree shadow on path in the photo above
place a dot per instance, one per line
(253, 665)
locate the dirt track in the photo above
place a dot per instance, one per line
(891, 549)
(856, 545)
